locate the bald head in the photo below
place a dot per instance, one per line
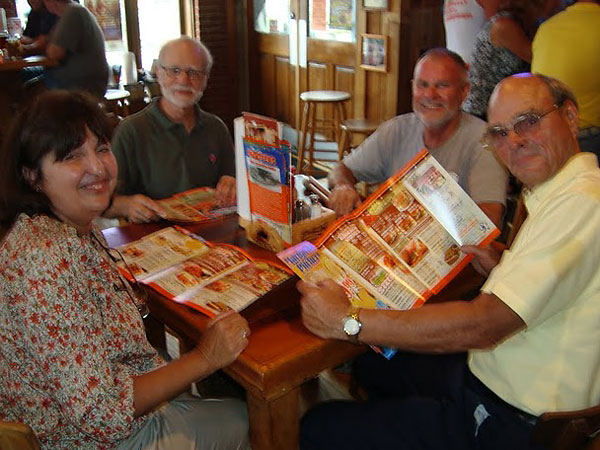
(532, 126)
(189, 45)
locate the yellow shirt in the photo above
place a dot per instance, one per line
(550, 277)
(567, 47)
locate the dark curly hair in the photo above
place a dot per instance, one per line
(55, 122)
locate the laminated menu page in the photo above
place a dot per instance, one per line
(211, 278)
(402, 245)
(194, 206)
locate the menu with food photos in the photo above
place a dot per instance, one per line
(194, 206)
(212, 278)
(402, 245)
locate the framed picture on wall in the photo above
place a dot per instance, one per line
(374, 52)
(377, 5)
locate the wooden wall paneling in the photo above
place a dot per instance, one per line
(344, 81)
(216, 22)
(283, 82)
(391, 28)
(359, 92)
(267, 82)
(133, 31)
(405, 69)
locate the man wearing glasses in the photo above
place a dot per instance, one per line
(531, 335)
(173, 145)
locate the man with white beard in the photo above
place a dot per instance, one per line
(173, 145)
(439, 86)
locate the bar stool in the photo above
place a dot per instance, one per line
(354, 126)
(115, 101)
(310, 124)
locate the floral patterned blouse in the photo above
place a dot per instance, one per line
(71, 337)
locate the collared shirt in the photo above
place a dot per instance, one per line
(71, 337)
(550, 277)
(158, 157)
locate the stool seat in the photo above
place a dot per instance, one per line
(114, 99)
(113, 95)
(324, 96)
(362, 126)
(330, 123)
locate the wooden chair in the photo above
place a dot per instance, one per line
(350, 127)
(569, 430)
(17, 436)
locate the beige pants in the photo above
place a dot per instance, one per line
(190, 423)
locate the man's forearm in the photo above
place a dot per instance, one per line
(442, 328)
(340, 175)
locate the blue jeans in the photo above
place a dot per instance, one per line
(418, 402)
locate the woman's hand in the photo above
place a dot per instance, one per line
(224, 339)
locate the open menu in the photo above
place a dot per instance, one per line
(195, 205)
(402, 245)
(212, 278)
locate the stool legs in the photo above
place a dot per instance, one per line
(342, 146)
(302, 137)
(312, 112)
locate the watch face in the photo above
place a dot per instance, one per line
(351, 326)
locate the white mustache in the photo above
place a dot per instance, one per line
(180, 87)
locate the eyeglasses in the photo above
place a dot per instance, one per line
(523, 125)
(193, 74)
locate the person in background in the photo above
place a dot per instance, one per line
(437, 123)
(173, 145)
(567, 47)
(76, 364)
(77, 43)
(462, 21)
(39, 24)
(532, 333)
(502, 48)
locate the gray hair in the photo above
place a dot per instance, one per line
(559, 91)
(191, 41)
(442, 52)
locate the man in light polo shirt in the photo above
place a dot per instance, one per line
(532, 335)
(173, 145)
(439, 87)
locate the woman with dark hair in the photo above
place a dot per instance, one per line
(502, 48)
(76, 365)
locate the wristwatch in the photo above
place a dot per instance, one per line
(351, 324)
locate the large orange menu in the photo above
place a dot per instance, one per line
(402, 245)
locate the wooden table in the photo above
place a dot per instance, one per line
(281, 354)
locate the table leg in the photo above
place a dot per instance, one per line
(274, 424)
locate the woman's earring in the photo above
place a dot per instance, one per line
(38, 188)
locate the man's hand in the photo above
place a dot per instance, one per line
(343, 199)
(485, 259)
(324, 305)
(226, 190)
(136, 208)
(224, 339)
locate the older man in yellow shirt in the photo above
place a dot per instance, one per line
(532, 335)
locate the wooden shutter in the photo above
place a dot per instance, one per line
(214, 22)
